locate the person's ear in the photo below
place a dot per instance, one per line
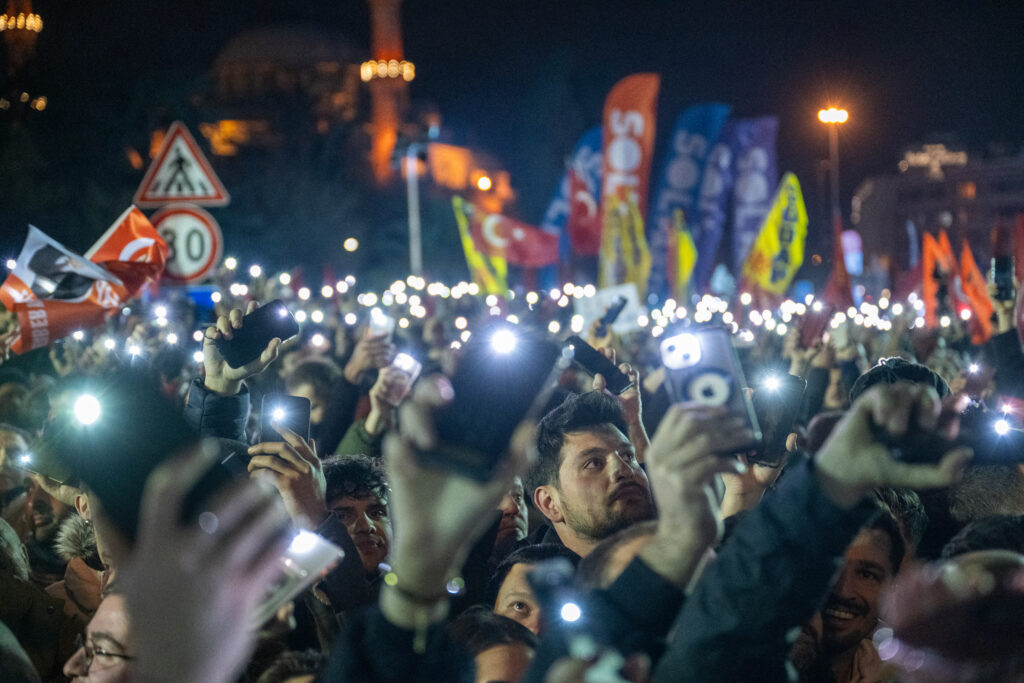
(792, 441)
(82, 506)
(545, 499)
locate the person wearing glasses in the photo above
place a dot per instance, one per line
(104, 654)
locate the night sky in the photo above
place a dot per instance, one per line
(523, 79)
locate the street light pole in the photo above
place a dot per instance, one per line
(412, 191)
(833, 117)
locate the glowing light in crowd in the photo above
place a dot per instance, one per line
(460, 323)
(351, 319)
(255, 271)
(11, 264)
(456, 345)
(197, 356)
(965, 314)
(745, 298)
(317, 316)
(483, 183)
(555, 294)
(341, 286)
(642, 320)
(973, 368)
(571, 612)
(318, 340)
(400, 298)
(78, 335)
(300, 316)
(172, 338)
(944, 321)
(576, 324)
(230, 263)
(563, 302)
(589, 291)
(532, 298)
(772, 383)
(351, 244)
(897, 309)
(1002, 427)
(304, 293)
(491, 300)
(160, 311)
(284, 278)
(161, 322)
(503, 341)
(109, 344)
(513, 318)
(216, 297)
(403, 323)
(466, 334)
(568, 287)
(197, 335)
(883, 303)
(87, 409)
(494, 310)
(554, 327)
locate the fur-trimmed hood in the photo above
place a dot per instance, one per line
(76, 538)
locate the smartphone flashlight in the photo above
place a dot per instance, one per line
(772, 383)
(680, 351)
(25, 458)
(405, 362)
(973, 368)
(1002, 427)
(503, 341)
(570, 612)
(303, 542)
(278, 413)
(87, 409)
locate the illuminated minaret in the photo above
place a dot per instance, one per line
(20, 28)
(388, 75)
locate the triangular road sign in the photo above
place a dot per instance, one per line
(180, 173)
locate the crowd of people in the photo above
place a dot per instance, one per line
(872, 532)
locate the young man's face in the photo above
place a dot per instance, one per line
(601, 487)
(366, 518)
(851, 613)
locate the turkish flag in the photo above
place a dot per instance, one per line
(584, 224)
(838, 290)
(520, 244)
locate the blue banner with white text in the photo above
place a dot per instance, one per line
(715, 185)
(755, 175)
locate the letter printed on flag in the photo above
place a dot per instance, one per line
(753, 148)
(630, 112)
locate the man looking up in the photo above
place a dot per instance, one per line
(587, 481)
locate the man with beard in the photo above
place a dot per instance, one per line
(587, 481)
(836, 644)
(45, 515)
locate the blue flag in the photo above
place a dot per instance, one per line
(586, 161)
(696, 131)
(715, 184)
(756, 176)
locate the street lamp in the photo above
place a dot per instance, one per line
(833, 117)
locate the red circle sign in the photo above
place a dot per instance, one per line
(193, 239)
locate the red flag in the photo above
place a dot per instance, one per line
(54, 291)
(584, 224)
(838, 291)
(520, 244)
(976, 290)
(937, 269)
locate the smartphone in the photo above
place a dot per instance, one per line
(381, 324)
(994, 438)
(611, 315)
(408, 370)
(840, 335)
(594, 362)
(504, 375)
(258, 328)
(1001, 274)
(701, 367)
(564, 612)
(292, 412)
(814, 324)
(777, 400)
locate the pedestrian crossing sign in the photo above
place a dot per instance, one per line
(180, 172)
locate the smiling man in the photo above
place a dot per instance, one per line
(836, 645)
(587, 481)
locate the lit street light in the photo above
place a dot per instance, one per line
(833, 117)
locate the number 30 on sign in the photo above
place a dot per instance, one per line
(194, 241)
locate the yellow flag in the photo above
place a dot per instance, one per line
(490, 272)
(685, 254)
(778, 251)
(625, 227)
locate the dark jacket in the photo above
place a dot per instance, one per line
(217, 416)
(768, 579)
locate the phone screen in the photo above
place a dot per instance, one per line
(258, 328)
(504, 375)
(777, 401)
(292, 412)
(594, 362)
(814, 323)
(701, 367)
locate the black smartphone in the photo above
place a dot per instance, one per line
(701, 367)
(564, 611)
(1002, 275)
(291, 412)
(777, 401)
(594, 362)
(504, 374)
(110, 433)
(611, 315)
(814, 323)
(258, 328)
(994, 438)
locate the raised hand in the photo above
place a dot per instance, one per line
(221, 378)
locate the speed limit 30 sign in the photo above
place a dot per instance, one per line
(194, 241)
